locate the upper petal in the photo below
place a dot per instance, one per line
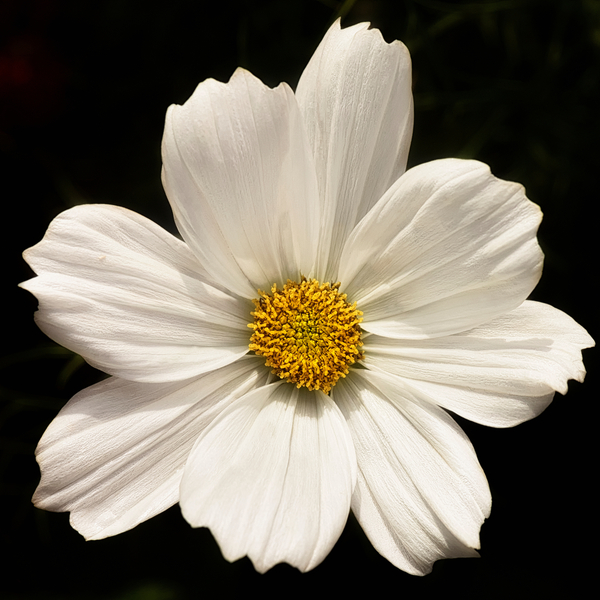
(499, 374)
(131, 299)
(421, 494)
(115, 454)
(273, 477)
(447, 248)
(356, 100)
(240, 177)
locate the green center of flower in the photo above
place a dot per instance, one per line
(308, 333)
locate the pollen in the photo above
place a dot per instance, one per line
(308, 333)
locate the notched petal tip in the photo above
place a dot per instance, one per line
(365, 28)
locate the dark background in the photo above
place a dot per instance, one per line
(84, 87)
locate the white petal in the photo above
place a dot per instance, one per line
(273, 477)
(499, 374)
(447, 248)
(240, 177)
(131, 298)
(115, 454)
(356, 100)
(421, 494)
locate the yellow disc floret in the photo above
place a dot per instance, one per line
(308, 333)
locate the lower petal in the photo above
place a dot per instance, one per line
(273, 478)
(420, 494)
(115, 454)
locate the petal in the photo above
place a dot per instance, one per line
(420, 494)
(499, 374)
(115, 454)
(240, 177)
(273, 477)
(356, 100)
(132, 299)
(449, 247)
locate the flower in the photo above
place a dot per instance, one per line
(297, 354)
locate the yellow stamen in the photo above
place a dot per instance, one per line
(308, 333)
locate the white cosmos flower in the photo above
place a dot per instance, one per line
(269, 186)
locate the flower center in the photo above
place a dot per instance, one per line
(307, 332)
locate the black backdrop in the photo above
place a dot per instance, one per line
(83, 91)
